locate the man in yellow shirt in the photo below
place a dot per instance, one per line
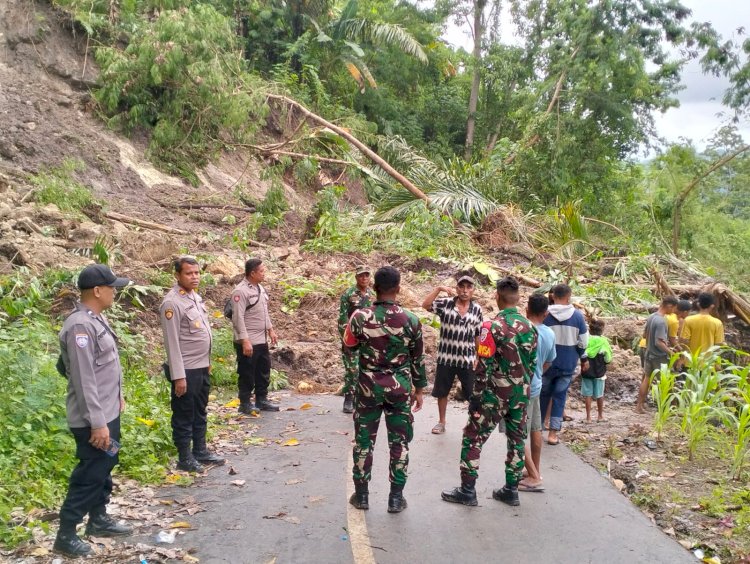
(674, 325)
(702, 331)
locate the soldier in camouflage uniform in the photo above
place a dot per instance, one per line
(356, 297)
(507, 358)
(391, 379)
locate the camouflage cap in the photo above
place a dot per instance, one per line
(362, 269)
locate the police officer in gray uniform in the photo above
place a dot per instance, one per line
(91, 363)
(253, 332)
(187, 338)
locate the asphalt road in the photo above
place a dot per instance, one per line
(293, 506)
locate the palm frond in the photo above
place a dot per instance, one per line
(381, 34)
(454, 187)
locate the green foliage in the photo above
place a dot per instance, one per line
(611, 297)
(662, 390)
(702, 400)
(36, 448)
(298, 290)
(183, 78)
(279, 380)
(273, 205)
(58, 186)
(423, 233)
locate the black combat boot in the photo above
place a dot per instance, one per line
(68, 543)
(264, 405)
(186, 461)
(361, 497)
(396, 502)
(202, 454)
(102, 525)
(248, 409)
(466, 494)
(507, 494)
(348, 403)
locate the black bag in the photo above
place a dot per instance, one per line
(228, 304)
(597, 367)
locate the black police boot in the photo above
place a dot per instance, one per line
(396, 501)
(507, 494)
(202, 454)
(264, 405)
(348, 403)
(68, 543)
(102, 525)
(248, 409)
(187, 461)
(464, 494)
(360, 497)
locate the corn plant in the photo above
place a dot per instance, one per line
(662, 390)
(742, 421)
(704, 399)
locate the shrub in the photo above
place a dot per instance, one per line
(57, 186)
(182, 77)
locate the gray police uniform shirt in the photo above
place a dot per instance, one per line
(187, 331)
(92, 364)
(252, 323)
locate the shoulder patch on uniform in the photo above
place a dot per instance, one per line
(236, 298)
(82, 340)
(169, 313)
(486, 347)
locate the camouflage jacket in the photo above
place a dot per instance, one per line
(352, 300)
(506, 350)
(391, 351)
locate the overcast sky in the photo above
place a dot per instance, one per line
(699, 114)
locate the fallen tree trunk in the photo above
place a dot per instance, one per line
(364, 149)
(143, 223)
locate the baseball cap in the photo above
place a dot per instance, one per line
(465, 278)
(362, 269)
(99, 275)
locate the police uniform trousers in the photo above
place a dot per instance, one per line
(253, 372)
(91, 480)
(189, 419)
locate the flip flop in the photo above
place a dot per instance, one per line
(438, 429)
(567, 418)
(557, 442)
(527, 488)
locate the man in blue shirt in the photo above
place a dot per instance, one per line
(536, 311)
(571, 339)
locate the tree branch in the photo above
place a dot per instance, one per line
(369, 153)
(683, 195)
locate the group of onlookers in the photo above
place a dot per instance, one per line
(672, 329)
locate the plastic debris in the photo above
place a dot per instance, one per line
(165, 537)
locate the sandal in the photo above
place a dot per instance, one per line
(523, 487)
(438, 429)
(553, 443)
(567, 418)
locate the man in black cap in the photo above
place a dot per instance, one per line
(357, 297)
(460, 322)
(92, 366)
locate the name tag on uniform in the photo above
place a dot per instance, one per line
(486, 347)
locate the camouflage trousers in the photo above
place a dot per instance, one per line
(350, 360)
(399, 423)
(506, 403)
